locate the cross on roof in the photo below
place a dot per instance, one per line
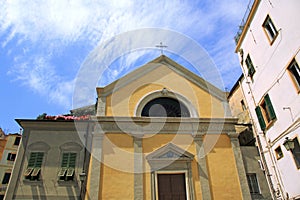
(161, 46)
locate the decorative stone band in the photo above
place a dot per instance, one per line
(142, 125)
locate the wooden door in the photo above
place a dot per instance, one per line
(171, 187)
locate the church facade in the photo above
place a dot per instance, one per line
(160, 132)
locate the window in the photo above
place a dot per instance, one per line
(243, 105)
(296, 152)
(165, 107)
(17, 141)
(6, 178)
(66, 172)
(250, 66)
(278, 153)
(11, 156)
(295, 73)
(270, 29)
(253, 183)
(265, 113)
(33, 170)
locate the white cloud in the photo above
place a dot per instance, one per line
(38, 74)
(57, 24)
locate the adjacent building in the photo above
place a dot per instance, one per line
(160, 132)
(255, 172)
(9, 148)
(268, 46)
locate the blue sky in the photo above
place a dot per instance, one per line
(44, 43)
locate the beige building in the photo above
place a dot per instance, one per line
(255, 172)
(10, 144)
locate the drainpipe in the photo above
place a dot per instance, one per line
(260, 149)
(83, 174)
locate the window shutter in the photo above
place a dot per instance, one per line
(72, 160)
(270, 107)
(31, 162)
(70, 171)
(39, 159)
(260, 118)
(65, 160)
(250, 66)
(68, 160)
(36, 171)
(62, 171)
(36, 159)
(251, 70)
(28, 171)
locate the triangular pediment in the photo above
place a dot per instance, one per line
(172, 65)
(170, 152)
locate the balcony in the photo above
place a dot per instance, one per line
(243, 22)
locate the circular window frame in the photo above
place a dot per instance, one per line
(158, 94)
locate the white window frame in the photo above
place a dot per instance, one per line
(269, 22)
(292, 75)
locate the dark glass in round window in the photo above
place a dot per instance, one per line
(165, 107)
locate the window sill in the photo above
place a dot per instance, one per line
(66, 183)
(273, 40)
(270, 124)
(279, 158)
(33, 182)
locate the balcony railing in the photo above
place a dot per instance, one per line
(243, 22)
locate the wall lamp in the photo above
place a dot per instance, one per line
(82, 176)
(289, 144)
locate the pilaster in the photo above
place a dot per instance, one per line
(138, 168)
(202, 168)
(240, 165)
(93, 192)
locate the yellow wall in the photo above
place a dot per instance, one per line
(117, 179)
(223, 175)
(124, 101)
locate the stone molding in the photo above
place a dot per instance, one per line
(138, 125)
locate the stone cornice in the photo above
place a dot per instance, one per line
(137, 126)
(143, 125)
(54, 124)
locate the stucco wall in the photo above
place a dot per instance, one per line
(51, 143)
(272, 77)
(124, 101)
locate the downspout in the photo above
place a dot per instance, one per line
(260, 149)
(84, 166)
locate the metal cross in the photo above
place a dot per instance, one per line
(161, 46)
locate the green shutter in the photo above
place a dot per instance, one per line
(270, 107)
(260, 118)
(65, 160)
(31, 160)
(36, 159)
(68, 160)
(251, 69)
(72, 160)
(39, 159)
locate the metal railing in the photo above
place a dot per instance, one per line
(243, 22)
